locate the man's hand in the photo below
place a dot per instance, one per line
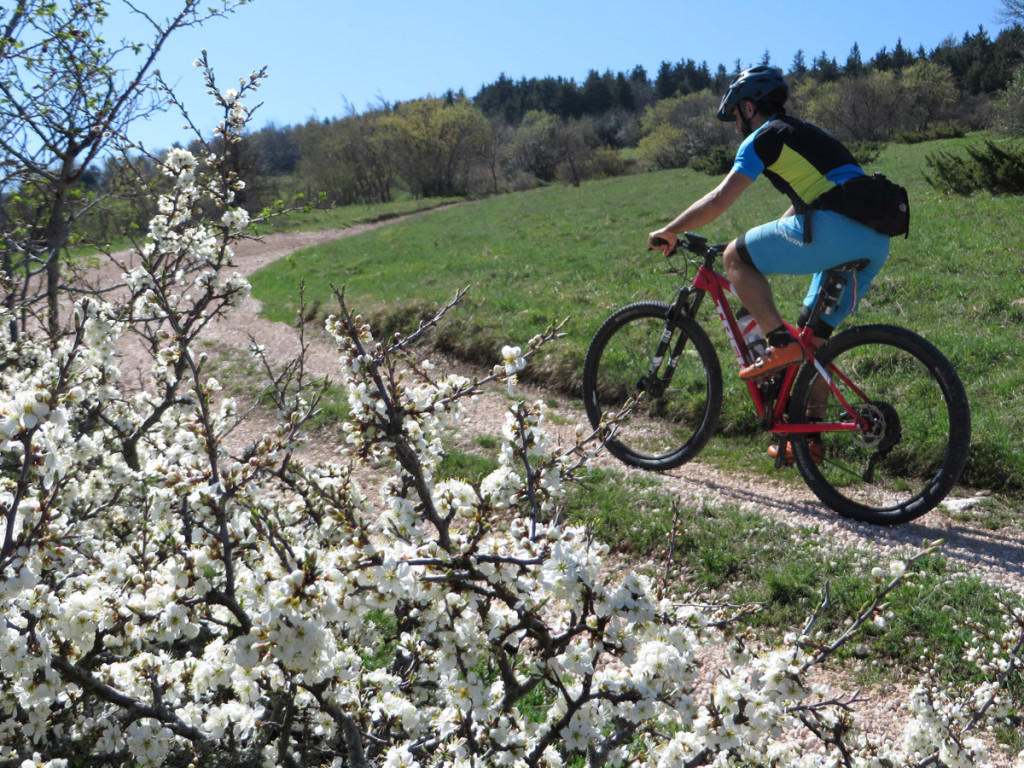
(663, 241)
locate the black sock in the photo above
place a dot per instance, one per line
(780, 337)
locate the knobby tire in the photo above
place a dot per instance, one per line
(920, 426)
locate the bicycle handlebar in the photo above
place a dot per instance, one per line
(692, 242)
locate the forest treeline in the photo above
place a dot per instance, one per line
(517, 134)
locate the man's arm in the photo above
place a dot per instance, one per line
(708, 208)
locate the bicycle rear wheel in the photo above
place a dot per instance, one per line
(919, 425)
(677, 410)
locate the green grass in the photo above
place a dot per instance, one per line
(537, 257)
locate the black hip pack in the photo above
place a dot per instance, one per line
(874, 201)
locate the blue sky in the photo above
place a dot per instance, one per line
(322, 54)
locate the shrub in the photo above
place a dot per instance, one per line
(717, 162)
(993, 167)
(951, 130)
(664, 148)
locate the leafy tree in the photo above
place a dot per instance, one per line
(67, 96)
(865, 108)
(1013, 10)
(681, 130)
(928, 89)
(664, 147)
(493, 153)
(1010, 108)
(435, 144)
(348, 160)
(535, 148)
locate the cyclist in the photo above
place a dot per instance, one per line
(804, 162)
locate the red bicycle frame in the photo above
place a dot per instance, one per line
(717, 286)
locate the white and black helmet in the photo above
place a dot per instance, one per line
(758, 84)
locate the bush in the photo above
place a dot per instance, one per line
(664, 148)
(993, 167)
(866, 152)
(605, 163)
(717, 162)
(951, 130)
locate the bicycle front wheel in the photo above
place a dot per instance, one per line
(632, 356)
(918, 425)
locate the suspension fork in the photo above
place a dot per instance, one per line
(687, 302)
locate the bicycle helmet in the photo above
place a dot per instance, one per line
(757, 84)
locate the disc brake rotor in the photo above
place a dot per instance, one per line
(883, 429)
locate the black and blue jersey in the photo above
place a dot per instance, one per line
(801, 160)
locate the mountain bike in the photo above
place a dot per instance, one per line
(877, 419)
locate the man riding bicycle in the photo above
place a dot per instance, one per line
(804, 162)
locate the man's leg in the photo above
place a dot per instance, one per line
(752, 288)
(755, 292)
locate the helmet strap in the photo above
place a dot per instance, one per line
(746, 122)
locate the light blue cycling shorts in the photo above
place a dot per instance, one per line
(778, 248)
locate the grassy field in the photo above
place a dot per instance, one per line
(538, 257)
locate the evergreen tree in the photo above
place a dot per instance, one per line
(901, 57)
(799, 67)
(882, 60)
(623, 95)
(643, 89)
(721, 82)
(664, 83)
(854, 64)
(825, 70)
(597, 93)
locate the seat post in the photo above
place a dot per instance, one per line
(833, 282)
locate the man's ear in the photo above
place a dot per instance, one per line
(749, 108)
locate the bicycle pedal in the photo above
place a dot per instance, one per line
(782, 453)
